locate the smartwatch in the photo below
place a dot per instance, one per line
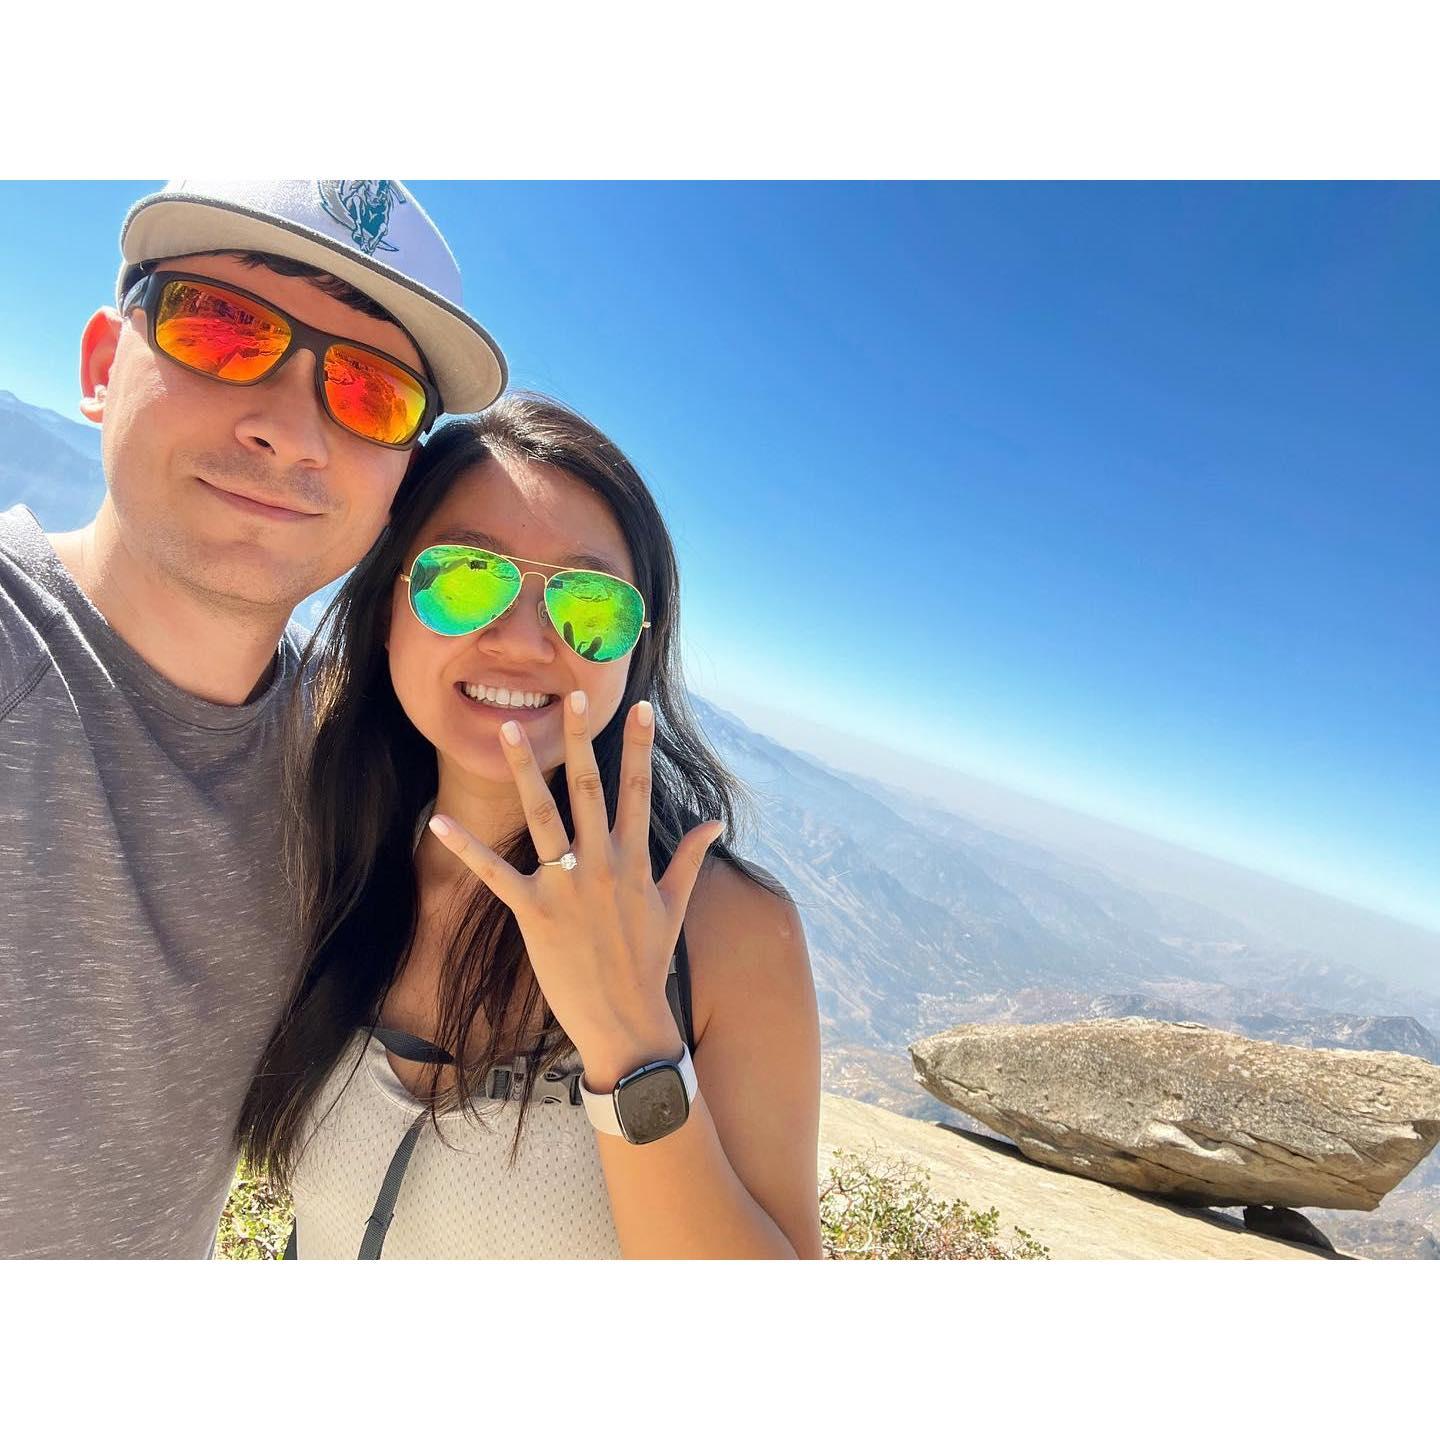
(647, 1104)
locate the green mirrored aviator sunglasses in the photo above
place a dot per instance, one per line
(458, 589)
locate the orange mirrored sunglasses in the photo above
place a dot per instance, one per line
(240, 339)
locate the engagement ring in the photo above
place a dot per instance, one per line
(566, 862)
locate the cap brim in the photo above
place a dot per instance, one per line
(467, 364)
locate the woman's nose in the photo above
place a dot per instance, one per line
(524, 627)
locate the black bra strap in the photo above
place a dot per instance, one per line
(677, 991)
(412, 1047)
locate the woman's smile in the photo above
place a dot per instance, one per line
(505, 703)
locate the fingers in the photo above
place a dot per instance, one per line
(582, 776)
(632, 810)
(541, 813)
(506, 882)
(678, 881)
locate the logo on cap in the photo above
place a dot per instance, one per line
(363, 207)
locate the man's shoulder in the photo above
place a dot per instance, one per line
(19, 519)
(22, 541)
(27, 607)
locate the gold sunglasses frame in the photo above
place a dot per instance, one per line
(543, 613)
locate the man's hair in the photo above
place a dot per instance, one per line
(332, 285)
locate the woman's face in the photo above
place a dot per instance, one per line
(532, 512)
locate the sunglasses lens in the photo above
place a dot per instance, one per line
(217, 332)
(598, 616)
(455, 589)
(372, 397)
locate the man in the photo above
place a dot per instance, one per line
(277, 351)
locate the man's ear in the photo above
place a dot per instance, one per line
(98, 344)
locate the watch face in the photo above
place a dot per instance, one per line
(652, 1104)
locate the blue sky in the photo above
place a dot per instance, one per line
(1122, 495)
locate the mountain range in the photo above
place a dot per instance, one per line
(49, 463)
(920, 917)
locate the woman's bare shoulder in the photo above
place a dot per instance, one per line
(743, 941)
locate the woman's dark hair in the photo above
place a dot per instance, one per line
(359, 784)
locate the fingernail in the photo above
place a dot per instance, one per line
(577, 702)
(511, 731)
(440, 825)
(645, 713)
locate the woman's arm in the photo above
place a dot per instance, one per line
(738, 1179)
(739, 1176)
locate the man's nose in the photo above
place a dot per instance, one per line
(285, 418)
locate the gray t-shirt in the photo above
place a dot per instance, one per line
(146, 934)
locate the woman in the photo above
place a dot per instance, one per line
(506, 813)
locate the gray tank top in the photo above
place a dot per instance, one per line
(371, 1156)
(461, 1198)
(146, 939)
(374, 1181)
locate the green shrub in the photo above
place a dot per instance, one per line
(256, 1222)
(881, 1208)
(876, 1208)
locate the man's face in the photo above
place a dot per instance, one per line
(250, 495)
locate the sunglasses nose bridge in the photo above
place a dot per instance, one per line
(291, 418)
(541, 613)
(515, 608)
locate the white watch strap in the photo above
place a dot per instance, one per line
(601, 1108)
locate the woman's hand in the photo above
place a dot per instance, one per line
(600, 935)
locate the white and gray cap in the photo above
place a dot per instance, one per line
(372, 233)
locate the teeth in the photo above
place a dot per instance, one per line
(510, 699)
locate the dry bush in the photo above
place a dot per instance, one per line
(880, 1208)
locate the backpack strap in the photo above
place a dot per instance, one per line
(373, 1241)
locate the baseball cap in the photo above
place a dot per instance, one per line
(373, 234)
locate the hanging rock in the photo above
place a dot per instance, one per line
(1196, 1115)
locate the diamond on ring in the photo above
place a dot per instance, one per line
(566, 862)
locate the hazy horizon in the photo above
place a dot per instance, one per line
(844, 750)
